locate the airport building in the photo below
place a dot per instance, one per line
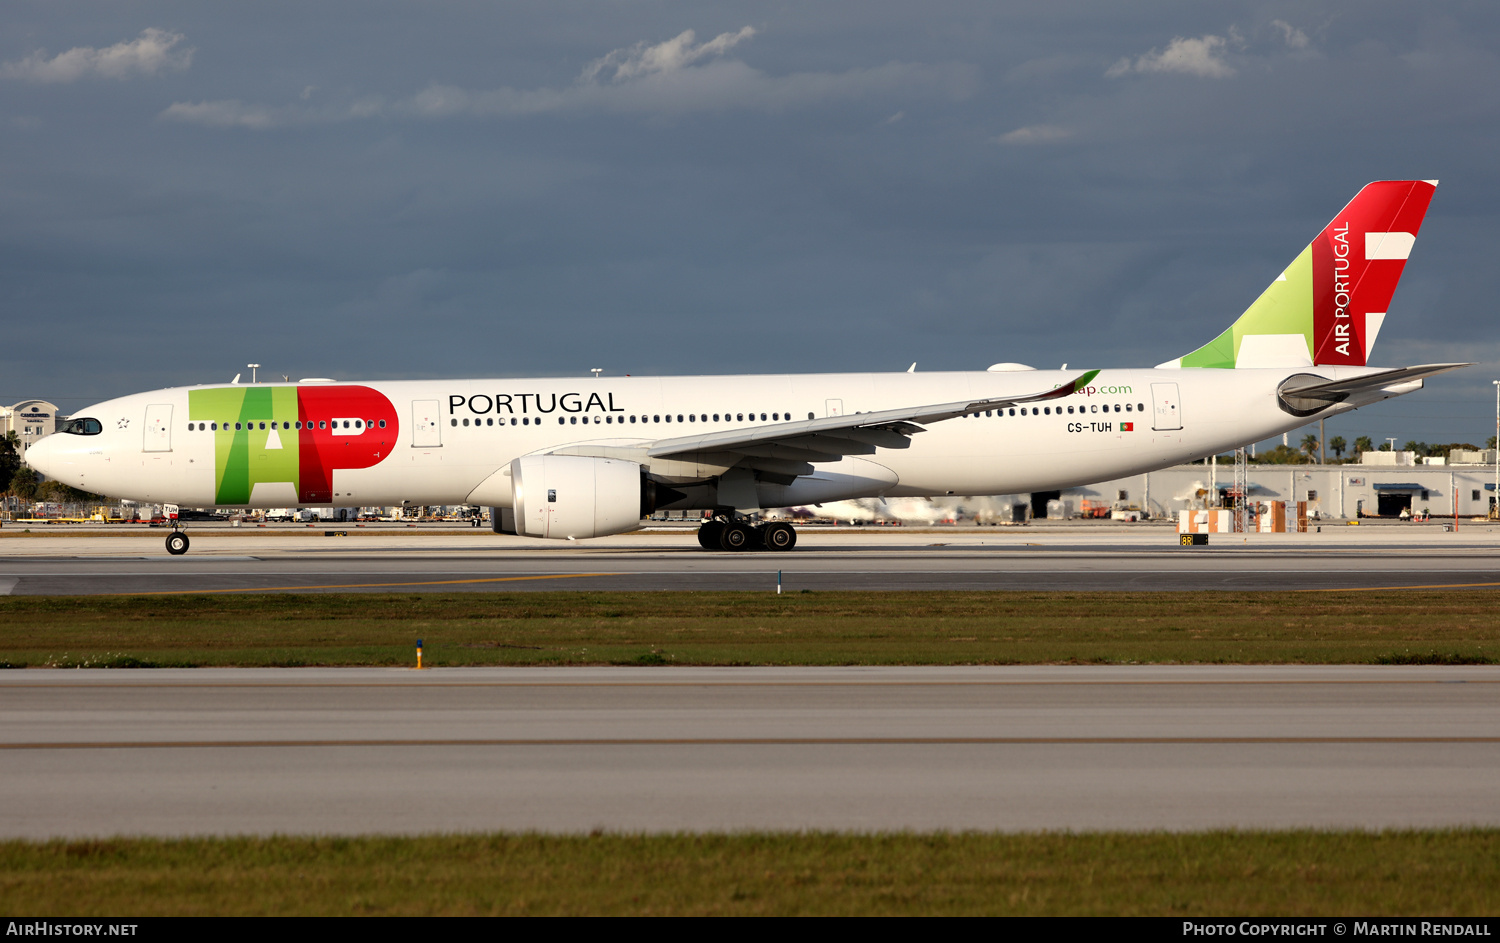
(30, 420)
(1381, 484)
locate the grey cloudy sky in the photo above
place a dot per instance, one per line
(392, 190)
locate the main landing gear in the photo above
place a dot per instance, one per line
(719, 534)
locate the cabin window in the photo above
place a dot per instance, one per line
(466, 422)
(382, 423)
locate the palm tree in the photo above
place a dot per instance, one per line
(1310, 444)
(1338, 445)
(1363, 444)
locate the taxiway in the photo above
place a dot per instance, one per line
(327, 751)
(1140, 557)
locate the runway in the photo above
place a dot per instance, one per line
(329, 751)
(1124, 558)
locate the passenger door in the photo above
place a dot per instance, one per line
(158, 428)
(426, 424)
(1164, 399)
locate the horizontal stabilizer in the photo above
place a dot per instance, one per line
(1305, 393)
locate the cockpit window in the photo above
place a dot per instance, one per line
(83, 427)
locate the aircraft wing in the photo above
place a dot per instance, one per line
(789, 448)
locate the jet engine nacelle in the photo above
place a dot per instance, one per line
(562, 496)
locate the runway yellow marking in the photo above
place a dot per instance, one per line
(1368, 589)
(746, 741)
(273, 589)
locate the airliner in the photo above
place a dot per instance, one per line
(578, 458)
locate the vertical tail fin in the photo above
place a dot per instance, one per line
(1329, 304)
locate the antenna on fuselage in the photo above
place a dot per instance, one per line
(912, 368)
(236, 378)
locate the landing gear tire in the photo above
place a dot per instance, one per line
(778, 537)
(177, 543)
(737, 535)
(708, 535)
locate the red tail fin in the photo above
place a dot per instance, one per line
(1357, 261)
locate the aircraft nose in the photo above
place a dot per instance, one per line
(42, 456)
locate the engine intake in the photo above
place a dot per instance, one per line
(560, 496)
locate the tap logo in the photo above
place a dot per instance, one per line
(293, 435)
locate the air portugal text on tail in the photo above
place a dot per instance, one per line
(1329, 304)
(570, 458)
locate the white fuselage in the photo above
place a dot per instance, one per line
(437, 442)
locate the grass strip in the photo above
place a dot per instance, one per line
(836, 628)
(1205, 874)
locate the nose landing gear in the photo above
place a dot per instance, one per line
(177, 543)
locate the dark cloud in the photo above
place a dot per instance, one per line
(384, 190)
